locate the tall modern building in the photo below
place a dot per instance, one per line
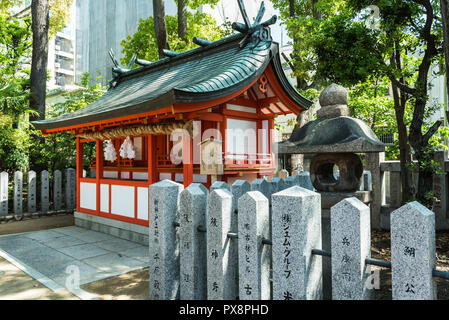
(102, 25)
(99, 25)
(61, 51)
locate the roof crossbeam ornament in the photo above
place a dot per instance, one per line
(117, 70)
(201, 42)
(257, 31)
(170, 54)
(143, 63)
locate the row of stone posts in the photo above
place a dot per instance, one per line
(32, 196)
(223, 243)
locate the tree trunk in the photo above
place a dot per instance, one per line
(404, 148)
(444, 5)
(38, 79)
(160, 27)
(182, 19)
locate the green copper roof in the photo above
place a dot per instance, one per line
(198, 75)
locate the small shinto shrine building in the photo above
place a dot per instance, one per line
(230, 90)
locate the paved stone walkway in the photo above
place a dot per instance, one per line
(51, 256)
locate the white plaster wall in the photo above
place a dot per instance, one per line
(140, 176)
(104, 198)
(164, 176)
(122, 201)
(142, 204)
(88, 195)
(110, 174)
(241, 136)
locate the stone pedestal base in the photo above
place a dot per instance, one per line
(119, 229)
(328, 200)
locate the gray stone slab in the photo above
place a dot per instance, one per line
(43, 235)
(113, 263)
(163, 240)
(263, 186)
(276, 185)
(351, 246)
(4, 194)
(296, 230)
(54, 263)
(62, 274)
(18, 193)
(17, 243)
(84, 251)
(238, 189)
(62, 242)
(301, 179)
(304, 181)
(89, 236)
(220, 185)
(222, 262)
(254, 257)
(32, 181)
(44, 259)
(192, 211)
(57, 190)
(72, 230)
(413, 252)
(45, 191)
(70, 188)
(116, 245)
(140, 253)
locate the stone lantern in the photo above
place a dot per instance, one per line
(335, 140)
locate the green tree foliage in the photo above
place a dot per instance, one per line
(59, 12)
(58, 151)
(15, 47)
(143, 42)
(334, 43)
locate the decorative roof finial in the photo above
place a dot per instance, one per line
(118, 69)
(257, 31)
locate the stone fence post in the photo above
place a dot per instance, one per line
(4, 179)
(70, 188)
(192, 215)
(163, 240)
(32, 192)
(18, 193)
(296, 231)
(254, 256)
(221, 261)
(45, 191)
(238, 189)
(57, 190)
(413, 252)
(351, 246)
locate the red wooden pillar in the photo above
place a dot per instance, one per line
(187, 159)
(152, 160)
(259, 142)
(99, 171)
(271, 140)
(79, 170)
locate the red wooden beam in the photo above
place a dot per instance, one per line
(152, 160)
(267, 101)
(187, 159)
(79, 171)
(99, 171)
(280, 92)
